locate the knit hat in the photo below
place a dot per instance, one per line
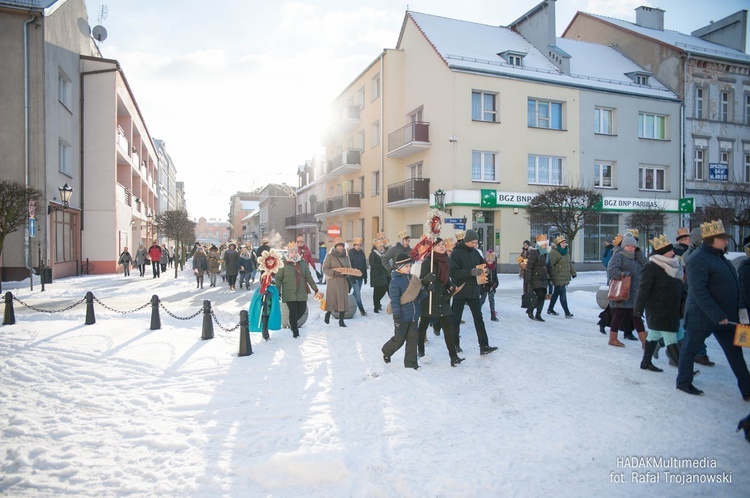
(628, 240)
(438, 240)
(402, 260)
(471, 235)
(527, 242)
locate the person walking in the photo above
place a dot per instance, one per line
(140, 258)
(125, 260)
(337, 289)
(713, 303)
(245, 268)
(306, 254)
(378, 275)
(214, 264)
(154, 253)
(661, 294)
(406, 292)
(322, 250)
(401, 247)
(626, 263)
(436, 307)
(164, 259)
(522, 258)
(200, 266)
(294, 281)
(487, 290)
(561, 271)
(683, 241)
(464, 270)
(359, 261)
(232, 265)
(701, 357)
(607, 252)
(537, 275)
(171, 256)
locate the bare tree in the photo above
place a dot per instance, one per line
(14, 209)
(568, 208)
(176, 225)
(647, 222)
(731, 204)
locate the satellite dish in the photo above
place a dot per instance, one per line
(100, 34)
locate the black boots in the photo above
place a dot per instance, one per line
(341, 319)
(673, 353)
(648, 352)
(295, 333)
(629, 336)
(456, 360)
(487, 350)
(530, 312)
(538, 317)
(327, 318)
(362, 311)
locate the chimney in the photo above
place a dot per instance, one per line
(649, 17)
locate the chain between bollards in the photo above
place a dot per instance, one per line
(9, 317)
(246, 349)
(208, 325)
(155, 320)
(90, 319)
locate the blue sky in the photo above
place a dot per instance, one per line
(239, 91)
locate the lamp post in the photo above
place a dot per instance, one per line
(440, 199)
(66, 192)
(149, 217)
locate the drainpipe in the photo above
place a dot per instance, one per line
(382, 145)
(27, 133)
(683, 120)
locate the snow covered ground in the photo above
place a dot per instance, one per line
(115, 409)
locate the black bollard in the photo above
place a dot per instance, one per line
(208, 324)
(90, 319)
(155, 320)
(246, 349)
(9, 317)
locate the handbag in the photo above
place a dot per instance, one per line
(529, 300)
(619, 290)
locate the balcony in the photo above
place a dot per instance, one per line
(349, 119)
(346, 162)
(340, 204)
(409, 140)
(412, 192)
(300, 220)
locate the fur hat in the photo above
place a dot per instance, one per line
(338, 241)
(541, 238)
(471, 235)
(403, 234)
(559, 239)
(401, 260)
(661, 244)
(714, 228)
(628, 240)
(682, 232)
(357, 240)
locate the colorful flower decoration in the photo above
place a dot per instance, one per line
(434, 223)
(270, 262)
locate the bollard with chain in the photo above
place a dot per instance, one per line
(155, 320)
(246, 349)
(90, 319)
(208, 325)
(9, 318)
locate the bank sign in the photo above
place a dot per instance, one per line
(718, 172)
(494, 198)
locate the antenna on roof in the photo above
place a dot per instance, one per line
(103, 11)
(99, 32)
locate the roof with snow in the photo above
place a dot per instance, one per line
(473, 47)
(680, 41)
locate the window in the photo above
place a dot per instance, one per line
(360, 97)
(725, 109)
(746, 168)
(603, 123)
(725, 157)
(641, 79)
(64, 90)
(747, 108)
(360, 140)
(699, 163)
(65, 158)
(594, 235)
(515, 60)
(375, 133)
(699, 103)
(652, 126)
(483, 106)
(603, 174)
(542, 114)
(545, 170)
(482, 166)
(375, 86)
(376, 183)
(651, 178)
(361, 185)
(415, 170)
(65, 249)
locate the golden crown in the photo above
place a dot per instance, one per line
(541, 238)
(559, 239)
(403, 234)
(712, 229)
(292, 246)
(659, 242)
(377, 242)
(633, 232)
(617, 239)
(380, 235)
(337, 241)
(357, 240)
(460, 235)
(449, 243)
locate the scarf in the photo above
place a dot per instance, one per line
(442, 269)
(672, 266)
(627, 254)
(542, 250)
(562, 251)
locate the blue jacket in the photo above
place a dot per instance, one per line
(607, 255)
(713, 290)
(407, 312)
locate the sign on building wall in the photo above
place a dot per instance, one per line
(493, 198)
(718, 171)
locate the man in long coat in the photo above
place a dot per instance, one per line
(337, 288)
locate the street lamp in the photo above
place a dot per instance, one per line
(66, 192)
(440, 199)
(320, 225)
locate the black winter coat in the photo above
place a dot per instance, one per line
(660, 295)
(463, 259)
(713, 290)
(441, 296)
(537, 275)
(744, 273)
(378, 273)
(358, 261)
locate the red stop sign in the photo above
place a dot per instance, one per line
(334, 231)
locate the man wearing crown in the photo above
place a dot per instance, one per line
(295, 282)
(713, 305)
(401, 247)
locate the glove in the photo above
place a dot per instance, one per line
(494, 286)
(430, 278)
(574, 276)
(477, 271)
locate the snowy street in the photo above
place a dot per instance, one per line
(116, 409)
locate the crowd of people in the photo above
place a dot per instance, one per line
(160, 258)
